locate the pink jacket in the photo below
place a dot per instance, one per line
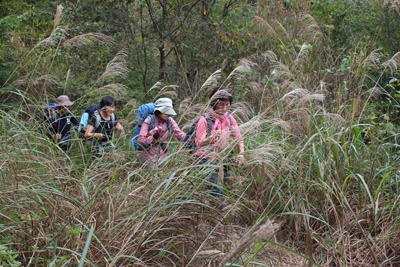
(229, 127)
(156, 152)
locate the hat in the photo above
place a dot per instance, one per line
(63, 100)
(164, 105)
(220, 95)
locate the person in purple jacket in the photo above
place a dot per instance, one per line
(155, 132)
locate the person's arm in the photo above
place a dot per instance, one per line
(119, 127)
(177, 132)
(240, 157)
(89, 130)
(75, 122)
(89, 134)
(144, 137)
(236, 135)
(201, 133)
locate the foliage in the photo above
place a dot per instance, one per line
(317, 109)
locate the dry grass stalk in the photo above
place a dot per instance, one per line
(117, 90)
(255, 87)
(376, 91)
(184, 104)
(57, 17)
(245, 65)
(263, 155)
(373, 59)
(156, 86)
(170, 93)
(265, 232)
(263, 24)
(392, 63)
(212, 81)
(242, 109)
(15, 39)
(50, 80)
(296, 95)
(116, 67)
(89, 38)
(281, 70)
(313, 97)
(311, 29)
(338, 120)
(270, 56)
(394, 4)
(53, 39)
(302, 53)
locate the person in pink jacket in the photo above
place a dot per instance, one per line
(214, 132)
(155, 133)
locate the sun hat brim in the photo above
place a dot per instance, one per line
(166, 110)
(66, 104)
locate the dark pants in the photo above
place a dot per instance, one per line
(216, 190)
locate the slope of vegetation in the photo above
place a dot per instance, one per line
(316, 98)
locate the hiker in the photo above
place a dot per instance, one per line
(155, 131)
(102, 124)
(213, 133)
(59, 123)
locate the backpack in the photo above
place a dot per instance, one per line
(190, 140)
(86, 116)
(50, 116)
(146, 111)
(96, 113)
(50, 112)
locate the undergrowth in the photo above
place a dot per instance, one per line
(320, 183)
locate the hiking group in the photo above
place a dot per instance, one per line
(208, 135)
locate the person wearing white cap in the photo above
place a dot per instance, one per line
(59, 126)
(155, 131)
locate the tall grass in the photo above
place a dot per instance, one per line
(331, 191)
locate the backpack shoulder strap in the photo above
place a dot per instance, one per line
(210, 122)
(169, 126)
(54, 115)
(113, 119)
(151, 121)
(98, 120)
(230, 118)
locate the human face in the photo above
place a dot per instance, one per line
(109, 109)
(222, 106)
(63, 109)
(163, 116)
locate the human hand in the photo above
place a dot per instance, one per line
(239, 160)
(119, 127)
(57, 136)
(98, 135)
(215, 135)
(157, 133)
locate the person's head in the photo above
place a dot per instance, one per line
(164, 109)
(220, 99)
(108, 104)
(63, 103)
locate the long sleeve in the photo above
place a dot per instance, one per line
(177, 132)
(50, 129)
(143, 138)
(235, 130)
(75, 122)
(201, 130)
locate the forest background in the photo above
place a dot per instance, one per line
(316, 94)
